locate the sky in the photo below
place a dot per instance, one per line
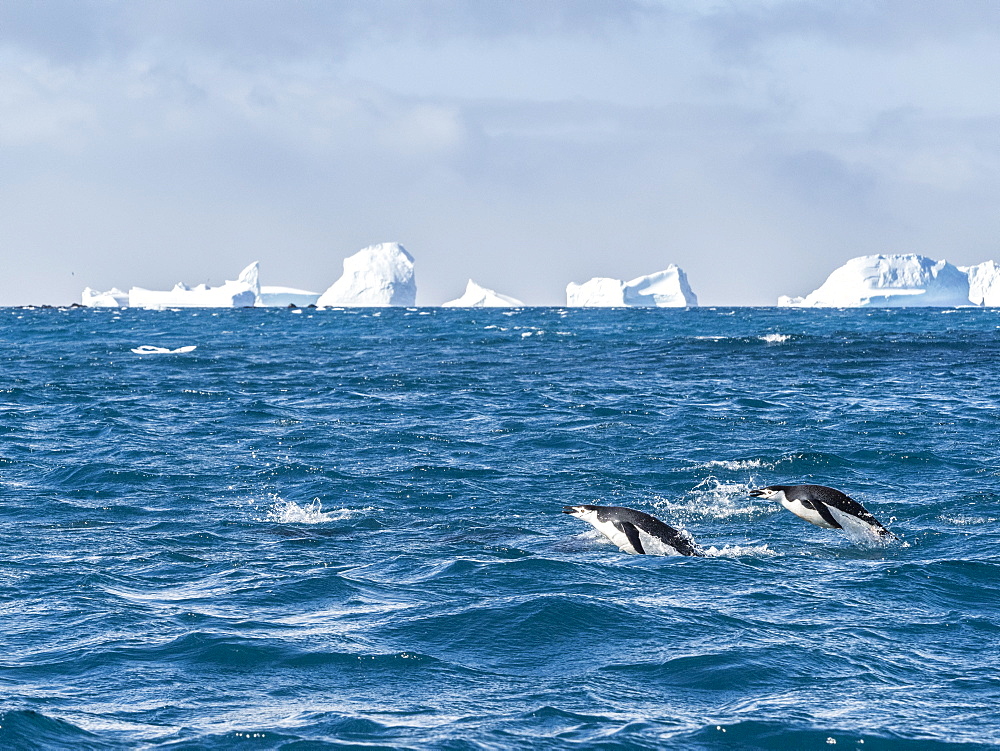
(758, 144)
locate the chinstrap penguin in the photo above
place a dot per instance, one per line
(823, 506)
(633, 531)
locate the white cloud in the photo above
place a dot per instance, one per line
(496, 140)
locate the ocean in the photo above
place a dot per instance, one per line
(343, 529)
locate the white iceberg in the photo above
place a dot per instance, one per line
(888, 281)
(480, 297)
(376, 276)
(242, 293)
(984, 284)
(664, 289)
(282, 297)
(599, 292)
(113, 298)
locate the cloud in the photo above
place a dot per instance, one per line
(259, 32)
(523, 144)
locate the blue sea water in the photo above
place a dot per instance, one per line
(343, 529)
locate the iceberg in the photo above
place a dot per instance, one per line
(282, 297)
(480, 297)
(663, 289)
(376, 276)
(984, 284)
(113, 298)
(599, 292)
(888, 281)
(242, 293)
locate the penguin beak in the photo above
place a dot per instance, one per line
(758, 493)
(569, 509)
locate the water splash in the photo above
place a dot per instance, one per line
(289, 512)
(862, 534)
(714, 499)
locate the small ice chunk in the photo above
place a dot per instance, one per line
(149, 349)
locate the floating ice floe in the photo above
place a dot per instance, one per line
(904, 280)
(664, 289)
(149, 349)
(242, 293)
(480, 297)
(376, 276)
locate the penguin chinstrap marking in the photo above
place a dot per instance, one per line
(824, 507)
(633, 531)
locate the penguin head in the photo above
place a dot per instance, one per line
(770, 493)
(580, 512)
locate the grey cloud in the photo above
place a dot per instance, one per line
(741, 29)
(260, 31)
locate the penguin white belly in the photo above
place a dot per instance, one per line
(609, 530)
(811, 515)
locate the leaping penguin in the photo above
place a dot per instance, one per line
(823, 506)
(633, 531)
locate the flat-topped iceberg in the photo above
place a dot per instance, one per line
(480, 297)
(242, 293)
(376, 276)
(113, 298)
(664, 289)
(905, 280)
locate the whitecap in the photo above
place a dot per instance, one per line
(736, 464)
(775, 338)
(964, 521)
(739, 551)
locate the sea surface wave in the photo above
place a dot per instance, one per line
(342, 529)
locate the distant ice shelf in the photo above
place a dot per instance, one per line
(245, 292)
(242, 293)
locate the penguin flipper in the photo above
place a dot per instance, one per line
(629, 530)
(824, 511)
